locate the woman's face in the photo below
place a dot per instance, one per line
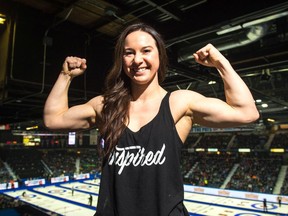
(141, 57)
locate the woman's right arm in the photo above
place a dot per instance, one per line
(57, 114)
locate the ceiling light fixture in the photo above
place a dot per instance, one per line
(258, 101)
(270, 120)
(265, 19)
(212, 82)
(228, 28)
(112, 12)
(264, 105)
(2, 19)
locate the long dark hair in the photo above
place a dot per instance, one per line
(117, 88)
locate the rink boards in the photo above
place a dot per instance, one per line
(59, 199)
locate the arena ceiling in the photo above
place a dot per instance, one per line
(253, 35)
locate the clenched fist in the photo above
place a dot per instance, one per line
(209, 56)
(74, 66)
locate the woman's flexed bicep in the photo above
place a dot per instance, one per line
(206, 111)
(76, 117)
(216, 113)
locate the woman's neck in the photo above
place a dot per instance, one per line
(141, 93)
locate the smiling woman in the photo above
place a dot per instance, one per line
(143, 127)
(141, 57)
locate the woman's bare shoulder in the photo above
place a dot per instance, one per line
(184, 96)
(183, 101)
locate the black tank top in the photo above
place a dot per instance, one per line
(142, 175)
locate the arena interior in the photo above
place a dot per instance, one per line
(226, 172)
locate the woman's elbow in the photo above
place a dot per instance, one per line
(251, 116)
(49, 123)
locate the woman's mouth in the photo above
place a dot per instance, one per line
(140, 69)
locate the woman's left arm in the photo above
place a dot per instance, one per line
(239, 107)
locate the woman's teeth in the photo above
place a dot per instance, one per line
(140, 69)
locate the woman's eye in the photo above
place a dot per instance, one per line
(147, 50)
(128, 53)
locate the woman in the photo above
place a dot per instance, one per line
(143, 126)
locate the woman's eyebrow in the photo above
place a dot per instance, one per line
(147, 47)
(144, 47)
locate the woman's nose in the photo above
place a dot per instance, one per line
(138, 58)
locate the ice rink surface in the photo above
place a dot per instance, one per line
(61, 199)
